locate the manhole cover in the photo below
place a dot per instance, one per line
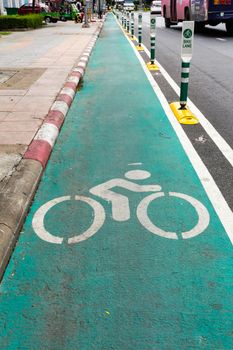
(6, 75)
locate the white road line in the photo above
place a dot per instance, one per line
(220, 205)
(222, 145)
(220, 39)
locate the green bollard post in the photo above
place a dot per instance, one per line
(186, 56)
(180, 109)
(132, 26)
(139, 47)
(127, 22)
(151, 65)
(185, 67)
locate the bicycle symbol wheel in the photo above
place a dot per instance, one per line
(202, 212)
(38, 220)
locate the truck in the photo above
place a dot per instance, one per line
(203, 12)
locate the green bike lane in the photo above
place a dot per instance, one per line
(125, 287)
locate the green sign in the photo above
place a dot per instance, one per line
(187, 33)
(187, 40)
(153, 22)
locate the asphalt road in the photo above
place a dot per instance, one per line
(210, 89)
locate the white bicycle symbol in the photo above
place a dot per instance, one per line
(121, 209)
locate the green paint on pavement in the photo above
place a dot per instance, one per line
(124, 288)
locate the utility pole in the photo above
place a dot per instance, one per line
(85, 24)
(1, 7)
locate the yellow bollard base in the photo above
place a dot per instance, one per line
(151, 66)
(132, 38)
(139, 48)
(184, 116)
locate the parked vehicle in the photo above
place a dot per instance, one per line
(69, 11)
(203, 12)
(156, 7)
(119, 5)
(128, 6)
(65, 11)
(27, 9)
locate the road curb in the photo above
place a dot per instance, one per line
(16, 194)
(45, 138)
(17, 191)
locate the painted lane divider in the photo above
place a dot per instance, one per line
(43, 142)
(219, 203)
(219, 141)
(121, 209)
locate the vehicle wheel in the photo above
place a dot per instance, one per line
(63, 19)
(229, 27)
(77, 19)
(47, 20)
(167, 22)
(199, 26)
(187, 14)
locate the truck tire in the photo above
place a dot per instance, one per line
(63, 19)
(229, 27)
(167, 20)
(77, 19)
(47, 19)
(199, 26)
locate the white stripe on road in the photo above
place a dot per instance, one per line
(222, 145)
(219, 203)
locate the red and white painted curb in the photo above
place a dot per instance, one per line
(45, 138)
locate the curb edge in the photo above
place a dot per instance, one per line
(18, 191)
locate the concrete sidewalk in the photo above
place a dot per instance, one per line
(34, 68)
